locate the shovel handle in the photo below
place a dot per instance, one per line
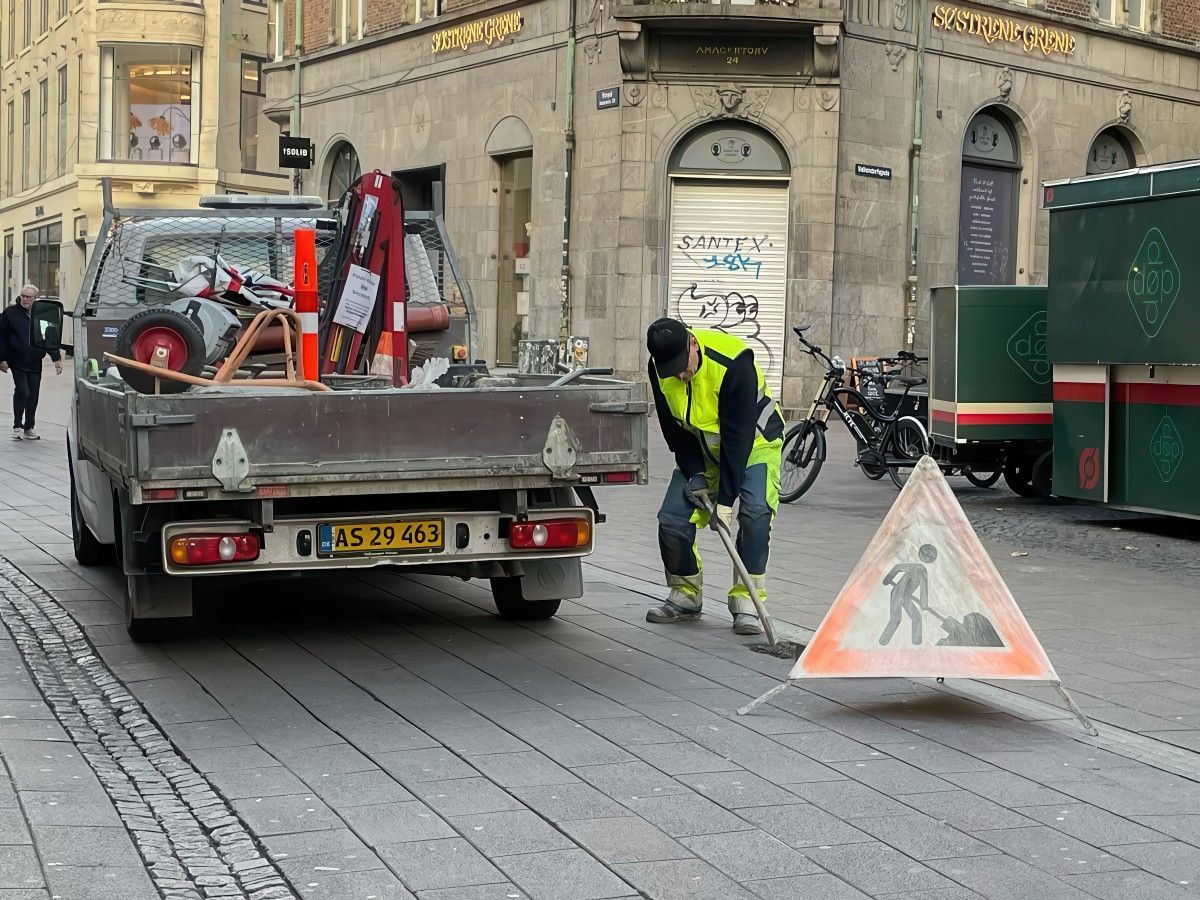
(739, 567)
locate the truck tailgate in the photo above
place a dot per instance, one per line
(403, 441)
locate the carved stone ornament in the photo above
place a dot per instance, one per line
(592, 50)
(1125, 107)
(825, 50)
(729, 100)
(635, 94)
(895, 54)
(631, 47)
(827, 99)
(658, 97)
(1004, 83)
(901, 15)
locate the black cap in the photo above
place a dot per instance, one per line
(669, 346)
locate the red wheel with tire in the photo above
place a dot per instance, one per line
(147, 333)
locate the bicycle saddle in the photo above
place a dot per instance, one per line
(908, 382)
(800, 329)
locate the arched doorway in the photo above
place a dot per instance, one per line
(342, 170)
(988, 201)
(1111, 151)
(728, 256)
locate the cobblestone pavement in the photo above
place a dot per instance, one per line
(386, 736)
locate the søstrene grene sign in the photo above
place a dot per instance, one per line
(1000, 29)
(489, 31)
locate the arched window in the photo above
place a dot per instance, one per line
(343, 169)
(1111, 151)
(987, 210)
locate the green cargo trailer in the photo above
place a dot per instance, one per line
(1123, 338)
(990, 384)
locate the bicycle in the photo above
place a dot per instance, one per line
(887, 443)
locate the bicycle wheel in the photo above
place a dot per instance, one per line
(803, 456)
(986, 480)
(909, 442)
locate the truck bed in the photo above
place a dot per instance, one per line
(270, 442)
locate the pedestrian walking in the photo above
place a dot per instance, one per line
(20, 358)
(726, 431)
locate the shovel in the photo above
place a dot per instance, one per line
(774, 646)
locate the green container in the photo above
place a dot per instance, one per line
(990, 379)
(1124, 338)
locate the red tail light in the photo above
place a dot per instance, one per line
(160, 494)
(620, 478)
(550, 534)
(214, 549)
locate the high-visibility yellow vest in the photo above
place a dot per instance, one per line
(695, 404)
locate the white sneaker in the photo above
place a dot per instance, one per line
(31, 435)
(17, 434)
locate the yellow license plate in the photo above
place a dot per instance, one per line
(374, 538)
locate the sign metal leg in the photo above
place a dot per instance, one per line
(754, 704)
(1084, 720)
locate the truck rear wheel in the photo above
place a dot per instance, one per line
(144, 593)
(512, 605)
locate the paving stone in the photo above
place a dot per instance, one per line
(1052, 851)
(1091, 824)
(13, 828)
(317, 762)
(446, 863)
(937, 759)
(680, 815)
(378, 883)
(923, 837)
(803, 825)
(848, 799)
(273, 781)
(69, 845)
(965, 811)
(505, 833)
(19, 868)
(628, 781)
(734, 790)
(337, 841)
(358, 788)
(564, 802)
(1173, 860)
(415, 766)
(893, 777)
(502, 891)
(231, 758)
(1005, 877)
(210, 735)
(628, 731)
(1185, 828)
(1133, 883)
(522, 769)
(747, 855)
(875, 868)
(626, 839)
(563, 873)
(104, 882)
(683, 758)
(465, 796)
(808, 887)
(1007, 789)
(827, 746)
(69, 808)
(285, 814)
(393, 823)
(688, 879)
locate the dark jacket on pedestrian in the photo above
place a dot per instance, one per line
(15, 349)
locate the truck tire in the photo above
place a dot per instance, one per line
(512, 605)
(142, 331)
(1019, 477)
(143, 592)
(88, 550)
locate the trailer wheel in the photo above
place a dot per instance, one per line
(151, 329)
(146, 592)
(512, 605)
(1019, 477)
(1042, 473)
(984, 480)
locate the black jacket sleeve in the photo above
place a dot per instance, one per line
(737, 408)
(688, 455)
(4, 326)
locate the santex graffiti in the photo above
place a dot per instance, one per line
(733, 313)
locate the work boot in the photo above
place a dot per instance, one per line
(739, 598)
(744, 623)
(684, 602)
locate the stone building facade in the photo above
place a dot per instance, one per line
(746, 166)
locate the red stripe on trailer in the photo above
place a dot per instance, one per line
(1005, 418)
(1165, 394)
(1079, 391)
(942, 415)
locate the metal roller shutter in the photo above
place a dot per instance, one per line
(728, 266)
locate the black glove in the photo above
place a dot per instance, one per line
(696, 485)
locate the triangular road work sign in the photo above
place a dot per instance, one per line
(925, 601)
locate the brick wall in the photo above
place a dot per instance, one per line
(381, 16)
(1076, 9)
(1181, 20)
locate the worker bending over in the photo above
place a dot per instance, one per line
(726, 432)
